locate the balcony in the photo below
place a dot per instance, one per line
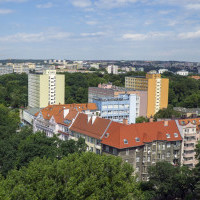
(188, 162)
(189, 148)
(98, 146)
(188, 155)
(189, 141)
(190, 134)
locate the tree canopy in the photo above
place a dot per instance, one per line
(77, 176)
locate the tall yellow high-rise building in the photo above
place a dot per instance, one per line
(157, 88)
(45, 89)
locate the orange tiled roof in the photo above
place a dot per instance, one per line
(194, 121)
(195, 77)
(83, 126)
(146, 132)
(53, 110)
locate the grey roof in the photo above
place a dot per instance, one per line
(32, 111)
(187, 110)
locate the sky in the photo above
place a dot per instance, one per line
(100, 29)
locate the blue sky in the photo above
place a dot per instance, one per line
(100, 29)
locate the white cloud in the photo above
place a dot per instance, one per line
(46, 5)
(91, 22)
(34, 37)
(113, 3)
(141, 36)
(193, 6)
(92, 34)
(189, 35)
(81, 3)
(5, 11)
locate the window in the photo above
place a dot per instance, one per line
(107, 148)
(137, 159)
(125, 141)
(92, 140)
(163, 156)
(137, 139)
(168, 145)
(149, 159)
(114, 151)
(168, 135)
(127, 152)
(163, 146)
(168, 154)
(175, 134)
(97, 151)
(91, 149)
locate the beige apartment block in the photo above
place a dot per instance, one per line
(45, 89)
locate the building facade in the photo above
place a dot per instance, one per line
(118, 109)
(4, 69)
(189, 129)
(182, 73)
(109, 90)
(46, 89)
(157, 88)
(142, 145)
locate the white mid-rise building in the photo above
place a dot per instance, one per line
(182, 73)
(45, 89)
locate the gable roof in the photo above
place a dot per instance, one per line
(145, 132)
(85, 125)
(57, 110)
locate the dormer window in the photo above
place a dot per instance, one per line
(175, 134)
(125, 141)
(137, 139)
(168, 135)
(183, 122)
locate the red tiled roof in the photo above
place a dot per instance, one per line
(146, 132)
(57, 110)
(191, 120)
(95, 129)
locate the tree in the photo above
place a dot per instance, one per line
(166, 113)
(77, 176)
(169, 182)
(141, 119)
(17, 151)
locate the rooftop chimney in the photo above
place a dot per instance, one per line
(151, 119)
(125, 121)
(165, 123)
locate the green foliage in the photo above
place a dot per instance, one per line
(14, 90)
(24, 146)
(78, 176)
(167, 113)
(141, 119)
(183, 91)
(169, 182)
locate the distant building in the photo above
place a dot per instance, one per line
(157, 88)
(112, 69)
(140, 69)
(4, 69)
(95, 65)
(21, 68)
(46, 89)
(161, 71)
(108, 90)
(124, 108)
(182, 73)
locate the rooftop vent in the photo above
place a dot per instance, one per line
(137, 139)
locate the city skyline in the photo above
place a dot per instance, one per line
(100, 29)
